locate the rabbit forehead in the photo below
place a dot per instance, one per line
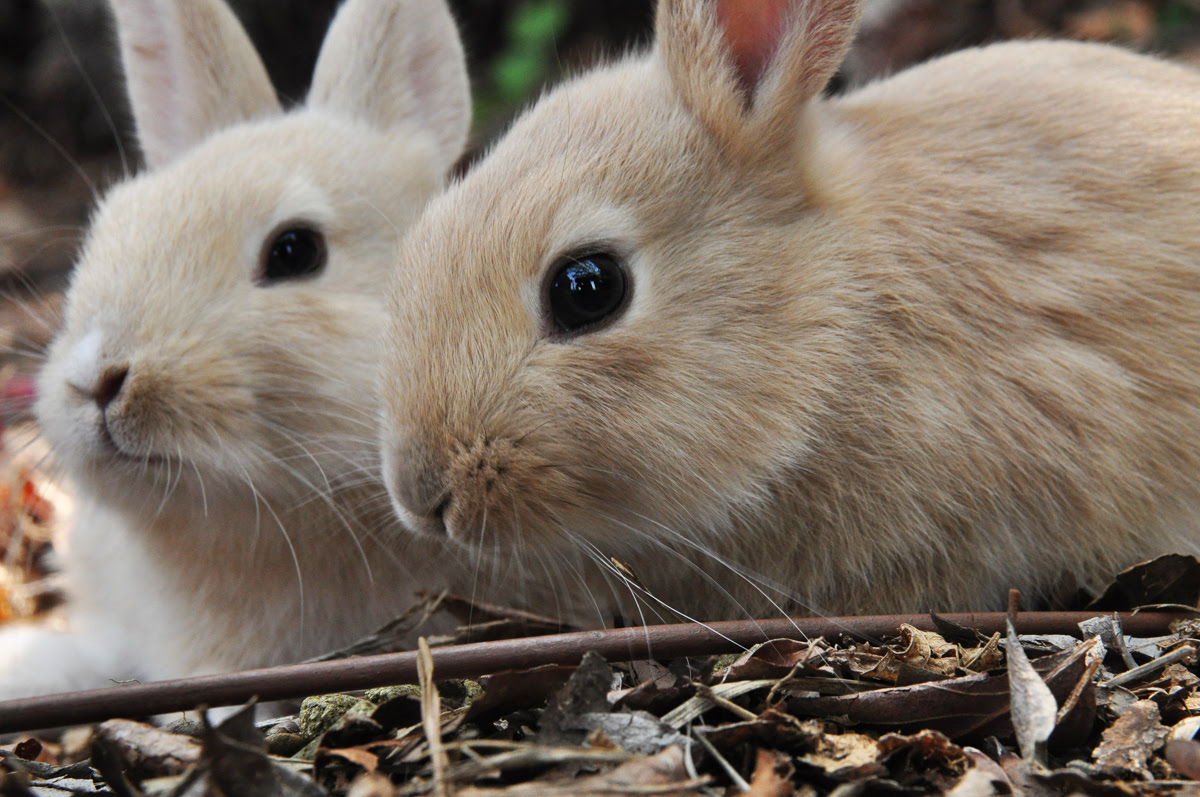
(612, 159)
(601, 161)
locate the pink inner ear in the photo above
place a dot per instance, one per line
(753, 29)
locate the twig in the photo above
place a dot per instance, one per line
(474, 660)
(1179, 654)
(734, 775)
(431, 717)
(706, 691)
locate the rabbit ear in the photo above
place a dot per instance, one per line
(190, 70)
(748, 68)
(397, 62)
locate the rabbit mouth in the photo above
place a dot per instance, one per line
(111, 447)
(430, 522)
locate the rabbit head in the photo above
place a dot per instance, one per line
(618, 368)
(863, 350)
(220, 326)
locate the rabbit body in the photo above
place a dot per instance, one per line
(898, 350)
(210, 394)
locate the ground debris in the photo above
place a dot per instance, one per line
(915, 713)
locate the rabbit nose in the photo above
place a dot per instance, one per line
(418, 495)
(109, 385)
(421, 506)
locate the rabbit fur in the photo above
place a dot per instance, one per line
(897, 350)
(229, 513)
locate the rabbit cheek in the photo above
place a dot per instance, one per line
(154, 416)
(484, 502)
(136, 420)
(485, 478)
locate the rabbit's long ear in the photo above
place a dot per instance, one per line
(747, 68)
(397, 63)
(190, 70)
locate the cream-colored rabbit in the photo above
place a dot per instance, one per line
(897, 350)
(210, 393)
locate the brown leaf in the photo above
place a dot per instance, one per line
(772, 659)
(772, 729)
(663, 774)
(973, 705)
(772, 775)
(505, 692)
(984, 776)
(28, 749)
(1131, 740)
(148, 752)
(930, 745)
(1170, 579)
(845, 756)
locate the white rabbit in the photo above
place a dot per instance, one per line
(897, 350)
(211, 391)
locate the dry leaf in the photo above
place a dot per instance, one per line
(1129, 742)
(1034, 708)
(149, 752)
(1171, 579)
(845, 756)
(772, 775)
(972, 705)
(663, 774)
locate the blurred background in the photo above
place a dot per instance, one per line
(65, 134)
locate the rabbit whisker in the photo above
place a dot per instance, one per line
(59, 148)
(92, 90)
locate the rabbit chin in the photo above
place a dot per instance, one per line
(148, 485)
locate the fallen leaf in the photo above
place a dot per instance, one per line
(984, 777)
(968, 706)
(148, 752)
(845, 756)
(772, 775)
(1171, 579)
(1034, 708)
(1130, 741)
(663, 774)
(772, 659)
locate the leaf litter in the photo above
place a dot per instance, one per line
(921, 712)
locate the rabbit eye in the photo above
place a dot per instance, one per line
(585, 291)
(294, 253)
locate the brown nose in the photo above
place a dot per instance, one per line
(109, 386)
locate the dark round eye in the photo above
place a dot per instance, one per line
(585, 291)
(294, 253)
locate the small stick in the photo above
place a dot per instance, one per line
(482, 658)
(431, 717)
(1179, 654)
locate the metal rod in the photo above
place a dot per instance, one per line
(474, 660)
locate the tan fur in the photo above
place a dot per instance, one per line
(236, 517)
(920, 344)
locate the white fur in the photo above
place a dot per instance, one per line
(230, 514)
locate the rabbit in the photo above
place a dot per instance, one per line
(727, 345)
(210, 394)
